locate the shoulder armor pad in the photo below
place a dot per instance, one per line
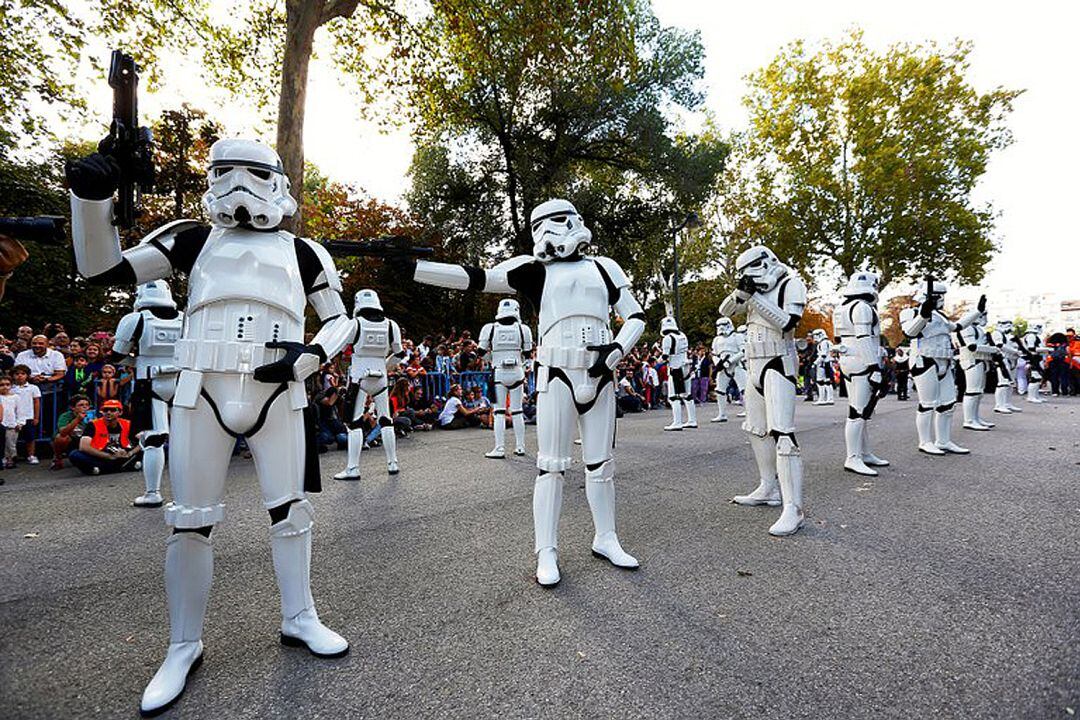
(613, 270)
(327, 262)
(170, 230)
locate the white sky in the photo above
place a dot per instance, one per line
(1029, 45)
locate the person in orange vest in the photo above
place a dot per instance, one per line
(107, 447)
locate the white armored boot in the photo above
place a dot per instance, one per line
(189, 570)
(389, 441)
(547, 504)
(290, 546)
(153, 459)
(830, 394)
(1033, 393)
(691, 413)
(1001, 400)
(676, 414)
(600, 492)
(1008, 399)
(943, 425)
(499, 452)
(352, 467)
(971, 414)
(721, 414)
(853, 438)
(518, 421)
(924, 423)
(790, 471)
(867, 455)
(768, 490)
(978, 413)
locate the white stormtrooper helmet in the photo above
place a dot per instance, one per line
(557, 230)
(819, 334)
(862, 283)
(155, 293)
(668, 325)
(247, 185)
(761, 264)
(365, 300)
(1036, 328)
(940, 289)
(508, 308)
(724, 326)
(1005, 326)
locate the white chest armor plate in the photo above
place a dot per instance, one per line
(763, 340)
(934, 341)
(824, 348)
(244, 290)
(724, 346)
(157, 343)
(676, 355)
(572, 290)
(1031, 341)
(845, 329)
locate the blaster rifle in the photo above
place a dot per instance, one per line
(390, 248)
(130, 145)
(47, 229)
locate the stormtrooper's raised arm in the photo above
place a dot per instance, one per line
(732, 305)
(785, 313)
(98, 257)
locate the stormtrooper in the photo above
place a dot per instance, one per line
(823, 372)
(576, 357)
(151, 332)
(774, 299)
(376, 341)
(1005, 362)
(242, 365)
(727, 352)
(509, 341)
(1031, 347)
(856, 323)
(976, 354)
(673, 349)
(931, 366)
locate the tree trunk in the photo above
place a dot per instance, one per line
(302, 19)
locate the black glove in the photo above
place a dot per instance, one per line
(95, 177)
(284, 370)
(982, 304)
(927, 307)
(747, 285)
(601, 367)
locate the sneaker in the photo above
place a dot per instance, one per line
(56, 465)
(32, 460)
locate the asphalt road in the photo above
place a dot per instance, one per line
(947, 587)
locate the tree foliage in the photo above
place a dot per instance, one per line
(856, 158)
(518, 103)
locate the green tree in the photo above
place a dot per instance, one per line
(517, 103)
(856, 158)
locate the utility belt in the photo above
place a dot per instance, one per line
(938, 353)
(756, 349)
(568, 358)
(223, 355)
(984, 356)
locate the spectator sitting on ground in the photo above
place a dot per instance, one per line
(628, 398)
(331, 429)
(46, 365)
(455, 415)
(476, 401)
(70, 428)
(29, 409)
(107, 446)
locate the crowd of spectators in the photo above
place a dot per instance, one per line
(54, 386)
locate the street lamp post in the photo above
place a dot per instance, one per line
(689, 222)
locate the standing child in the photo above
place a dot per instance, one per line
(9, 425)
(29, 409)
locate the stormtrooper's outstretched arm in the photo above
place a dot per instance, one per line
(966, 321)
(460, 277)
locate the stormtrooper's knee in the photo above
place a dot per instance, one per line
(188, 517)
(854, 414)
(356, 424)
(498, 411)
(385, 422)
(549, 464)
(153, 440)
(600, 472)
(295, 517)
(945, 407)
(755, 429)
(786, 444)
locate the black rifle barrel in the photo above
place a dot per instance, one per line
(45, 229)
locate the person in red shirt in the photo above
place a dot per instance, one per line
(107, 445)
